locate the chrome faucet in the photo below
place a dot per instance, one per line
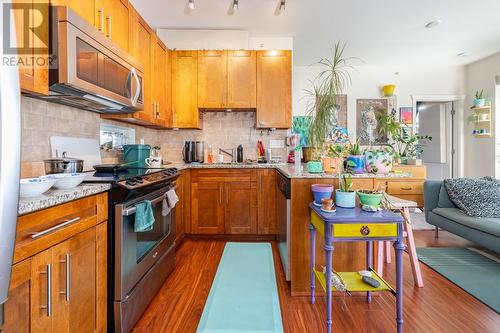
(232, 154)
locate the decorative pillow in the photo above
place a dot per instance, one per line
(479, 197)
(444, 199)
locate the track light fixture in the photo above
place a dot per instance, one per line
(280, 8)
(191, 4)
(235, 5)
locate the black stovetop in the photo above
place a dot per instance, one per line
(102, 177)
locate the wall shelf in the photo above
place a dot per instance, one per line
(481, 120)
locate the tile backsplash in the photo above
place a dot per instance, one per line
(41, 120)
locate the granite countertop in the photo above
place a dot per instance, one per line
(56, 197)
(286, 169)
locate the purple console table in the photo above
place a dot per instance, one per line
(352, 225)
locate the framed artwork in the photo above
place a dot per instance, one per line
(338, 133)
(368, 112)
(406, 115)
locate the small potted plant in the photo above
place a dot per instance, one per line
(315, 165)
(320, 192)
(370, 197)
(479, 101)
(378, 160)
(355, 159)
(334, 158)
(344, 196)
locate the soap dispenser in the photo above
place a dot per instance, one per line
(239, 154)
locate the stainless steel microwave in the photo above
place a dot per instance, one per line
(88, 70)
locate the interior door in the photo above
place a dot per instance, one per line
(74, 283)
(207, 212)
(212, 79)
(241, 79)
(436, 120)
(240, 205)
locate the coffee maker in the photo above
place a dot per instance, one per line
(193, 152)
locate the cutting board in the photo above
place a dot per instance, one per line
(85, 149)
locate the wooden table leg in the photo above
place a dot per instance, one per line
(328, 247)
(399, 248)
(412, 250)
(368, 267)
(312, 232)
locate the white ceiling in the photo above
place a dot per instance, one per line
(387, 32)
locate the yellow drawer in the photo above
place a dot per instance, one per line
(365, 230)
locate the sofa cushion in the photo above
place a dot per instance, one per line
(484, 224)
(477, 197)
(444, 199)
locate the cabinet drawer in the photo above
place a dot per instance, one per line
(224, 175)
(40, 230)
(405, 187)
(365, 230)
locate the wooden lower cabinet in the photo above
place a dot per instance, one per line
(207, 210)
(266, 202)
(240, 207)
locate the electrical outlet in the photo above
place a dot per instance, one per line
(273, 144)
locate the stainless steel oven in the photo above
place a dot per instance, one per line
(142, 259)
(90, 71)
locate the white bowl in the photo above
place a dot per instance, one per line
(32, 187)
(66, 181)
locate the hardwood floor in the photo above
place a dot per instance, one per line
(438, 307)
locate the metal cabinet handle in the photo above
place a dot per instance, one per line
(406, 188)
(365, 230)
(49, 290)
(101, 18)
(132, 210)
(158, 110)
(109, 19)
(54, 228)
(68, 277)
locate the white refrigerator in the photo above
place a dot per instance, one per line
(10, 149)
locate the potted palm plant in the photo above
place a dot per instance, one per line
(322, 105)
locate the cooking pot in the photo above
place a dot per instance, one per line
(63, 165)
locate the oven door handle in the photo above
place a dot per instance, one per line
(131, 210)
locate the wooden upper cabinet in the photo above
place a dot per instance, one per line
(240, 207)
(212, 79)
(274, 89)
(142, 38)
(241, 79)
(116, 18)
(184, 89)
(33, 75)
(162, 108)
(88, 10)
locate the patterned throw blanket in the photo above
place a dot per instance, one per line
(478, 197)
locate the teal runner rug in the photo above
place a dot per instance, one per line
(244, 295)
(471, 271)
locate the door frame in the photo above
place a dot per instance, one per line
(458, 125)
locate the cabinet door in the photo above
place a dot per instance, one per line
(88, 10)
(142, 41)
(74, 283)
(161, 109)
(266, 201)
(33, 65)
(184, 89)
(17, 307)
(241, 79)
(240, 214)
(274, 90)
(117, 22)
(207, 213)
(42, 300)
(212, 79)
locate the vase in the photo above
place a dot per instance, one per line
(345, 199)
(479, 103)
(332, 164)
(359, 163)
(378, 161)
(321, 191)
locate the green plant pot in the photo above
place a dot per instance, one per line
(314, 167)
(370, 199)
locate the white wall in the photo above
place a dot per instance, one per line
(480, 152)
(368, 80)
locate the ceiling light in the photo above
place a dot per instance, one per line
(280, 8)
(433, 24)
(191, 4)
(461, 54)
(235, 5)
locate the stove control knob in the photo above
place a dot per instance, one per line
(131, 182)
(139, 179)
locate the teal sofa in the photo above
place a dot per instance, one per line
(442, 213)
